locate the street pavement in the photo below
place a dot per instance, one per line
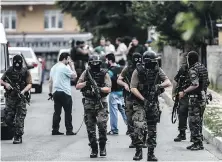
(39, 145)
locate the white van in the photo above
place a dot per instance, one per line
(4, 58)
(6, 134)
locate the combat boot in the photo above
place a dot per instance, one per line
(196, 147)
(181, 136)
(94, 152)
(138, 154)
(102, 147)
(150, 155)
(132, 145)
(189, 147)
(17, 140)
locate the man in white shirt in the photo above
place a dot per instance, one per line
(120, 54)
(60, 91)
(109, 48)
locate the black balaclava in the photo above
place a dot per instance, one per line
(192, 58)
(137, 58)
(95, 66)
(17, 62)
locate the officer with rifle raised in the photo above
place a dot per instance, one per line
(17, 82)
(146, 86)
(95, 85)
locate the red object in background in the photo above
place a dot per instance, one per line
(43, 64)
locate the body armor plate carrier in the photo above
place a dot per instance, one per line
(99, 77)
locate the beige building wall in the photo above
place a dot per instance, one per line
(33, 21)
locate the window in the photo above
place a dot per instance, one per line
(53, 19)
(9, 19)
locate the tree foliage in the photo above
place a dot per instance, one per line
(180, 23)
(104, 18)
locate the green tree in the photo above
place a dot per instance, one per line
(104, 18)
(180, 23)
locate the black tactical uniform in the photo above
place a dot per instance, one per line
(15, 111)
(146, 113)
(197, 99)
(129, 97)
(94, 113)
(182, 78)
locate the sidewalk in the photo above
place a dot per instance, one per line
(212, 129)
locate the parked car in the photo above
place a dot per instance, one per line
(31, 59)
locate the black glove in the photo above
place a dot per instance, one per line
(50, 96)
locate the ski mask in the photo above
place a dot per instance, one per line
(192, 58)
(17, 62)
(137, 58)
(95, 66)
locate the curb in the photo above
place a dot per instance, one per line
(208, 136)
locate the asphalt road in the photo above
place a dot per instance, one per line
(39, 145)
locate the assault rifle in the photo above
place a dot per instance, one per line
(17, 91)
(154, 93)
(95, 88)
(176, 102)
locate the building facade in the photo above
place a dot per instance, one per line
(39, 25)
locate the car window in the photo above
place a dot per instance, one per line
(26, 53)
(3, 58)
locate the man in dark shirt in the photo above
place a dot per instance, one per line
(134, 47)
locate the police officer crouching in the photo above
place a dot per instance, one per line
(146, 86)
(199, 82)
(15, 111)
(95, 103)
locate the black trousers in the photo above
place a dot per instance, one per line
(61, 99)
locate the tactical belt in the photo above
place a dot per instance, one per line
(193, 96)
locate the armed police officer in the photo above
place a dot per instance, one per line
(124, 80)
(17, 81)
(146, 86)
(198, 78)
(181, 79)
(95, 85)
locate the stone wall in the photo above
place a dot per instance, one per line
(171, 61)
(214, 65)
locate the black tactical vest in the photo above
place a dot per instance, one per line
(146, 81)
(99, 79)
(17, 77)
(116, 71)
(182, 78)
(203, 78)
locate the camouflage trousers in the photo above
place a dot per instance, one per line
(143, 121)
(95, 115)
(195, 112)
(15, 113)
(183, 113)
(129, 115)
